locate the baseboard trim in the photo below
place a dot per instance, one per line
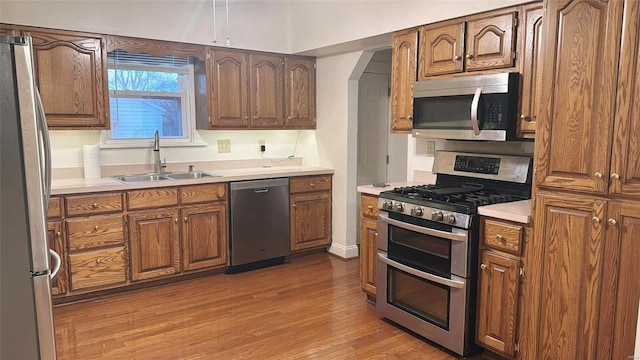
(345, 252)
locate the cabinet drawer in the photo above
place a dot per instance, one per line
(502, 235)
(369, 206)
(150, 198)
(55, 208)
(96, 231)
(203, 193)
(97, 268)
(93, 204)
(309, 183)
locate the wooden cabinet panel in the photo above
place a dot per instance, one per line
(403, 76)
(578, 94)
(368, 255)
(8, 30)
(92, 204)
(70, 76)
(155, 243)
(498, 300)
(204, 236)
(369, 206)
(59, 285)
(193, 194)
(532, 70)
(229, 89)
(150, 198)
(441, 49)
(267, 90)
(95, 231)
(310, 223)
(97, 268)
(502, 235)
(55, 209)
(301, 184)
(300, 93)
(491, 41)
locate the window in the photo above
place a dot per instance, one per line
(149, 93)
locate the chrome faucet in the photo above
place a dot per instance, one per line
(159, 165)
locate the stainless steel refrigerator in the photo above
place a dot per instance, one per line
(26, 318)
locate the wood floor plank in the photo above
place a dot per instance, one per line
(309, 308)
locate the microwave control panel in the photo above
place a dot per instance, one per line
(495, 110)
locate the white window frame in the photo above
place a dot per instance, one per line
(188, 107)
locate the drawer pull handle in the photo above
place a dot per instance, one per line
(611, 221)
(596, 219)
(500, 237)
(370, 207)
(483, 266)
(94, 205)
(95, 228)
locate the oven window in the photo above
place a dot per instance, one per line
(425, 252)
(422, 298)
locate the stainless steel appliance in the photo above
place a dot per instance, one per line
(259, 223)
(428, 244)
(25, 178)
(478, 107)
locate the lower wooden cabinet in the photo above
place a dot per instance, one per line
(59, 285)
(310, 212)
(204, 236)
(155, 243)
(368, 244)
(97, 268)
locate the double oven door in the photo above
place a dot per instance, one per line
(424, 280)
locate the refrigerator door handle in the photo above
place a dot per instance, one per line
(46, 148)
(58, 261)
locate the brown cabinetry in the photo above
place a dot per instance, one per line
(531, 70)
(300, 93)
(59, 284)
(310, 212)
(490, 43)
(71, 78)
(368, 244)
(499, 279)
(403, 76)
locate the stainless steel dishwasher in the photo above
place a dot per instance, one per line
(259, 223)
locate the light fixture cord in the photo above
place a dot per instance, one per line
(215, 38)
(228, 41)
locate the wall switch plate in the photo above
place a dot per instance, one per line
(431, 148)
(224, 145)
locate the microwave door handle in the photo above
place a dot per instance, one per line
(423, 230)
(421, 274)
(474, 111)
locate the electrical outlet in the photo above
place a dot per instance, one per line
(261, 143)
(431, 148)
(224, 145)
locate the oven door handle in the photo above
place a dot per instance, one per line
(421, 274)
(423, 230)
(474, 111)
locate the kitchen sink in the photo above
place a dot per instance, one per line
(164, 177)
(138, 178)
(190, 175)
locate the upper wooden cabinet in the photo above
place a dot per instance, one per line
(486, 41)
(267, 90)
(300, 92)
(531, 47)
(229, 89)
(71, 78)
(403, 76)
(574, 139)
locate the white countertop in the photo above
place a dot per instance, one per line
(517, 211)
(81, 185)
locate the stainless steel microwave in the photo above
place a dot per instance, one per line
(476, 107)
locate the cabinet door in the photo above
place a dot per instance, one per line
(97, 268)
(578, 94)
(441, 50)
(498, 289)
(155, 244)
(70, 76)
(491, 42)
(267, 90)
(204, 236)
(368, 255)
(7, 30)
(403, 76)
(229, 89)
(577, 281)
(310, 223)
(625, 161)
(300, 93)
(59, 285)
(532, 70)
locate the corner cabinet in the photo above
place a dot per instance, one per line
(403, 76)
(310, 212)
(70, 75)
(368, 244)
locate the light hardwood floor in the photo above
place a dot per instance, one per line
(308, 308)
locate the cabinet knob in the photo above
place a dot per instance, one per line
(615, 176)
(598, 175)
(596, 219)
(375, 233)
(255, 117)
(293, 205)
(95, 228)
(313, 184)
(246, 117)
(370, 207)
(469, 57)
(611, 221)
(483, 266)
(526, 118)
(288, 117)
(58, 234)
(410, 117)
(94, 205)
(98, 261)
(500, 237)
(185, 219)
(457, 58)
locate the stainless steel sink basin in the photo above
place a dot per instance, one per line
(189, 175)
(138, 178)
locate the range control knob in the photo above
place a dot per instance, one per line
(436, 215)
(416, 211)
(399, 207)
(388, 205)
(451, 219)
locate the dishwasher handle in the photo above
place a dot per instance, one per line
(261, 190)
